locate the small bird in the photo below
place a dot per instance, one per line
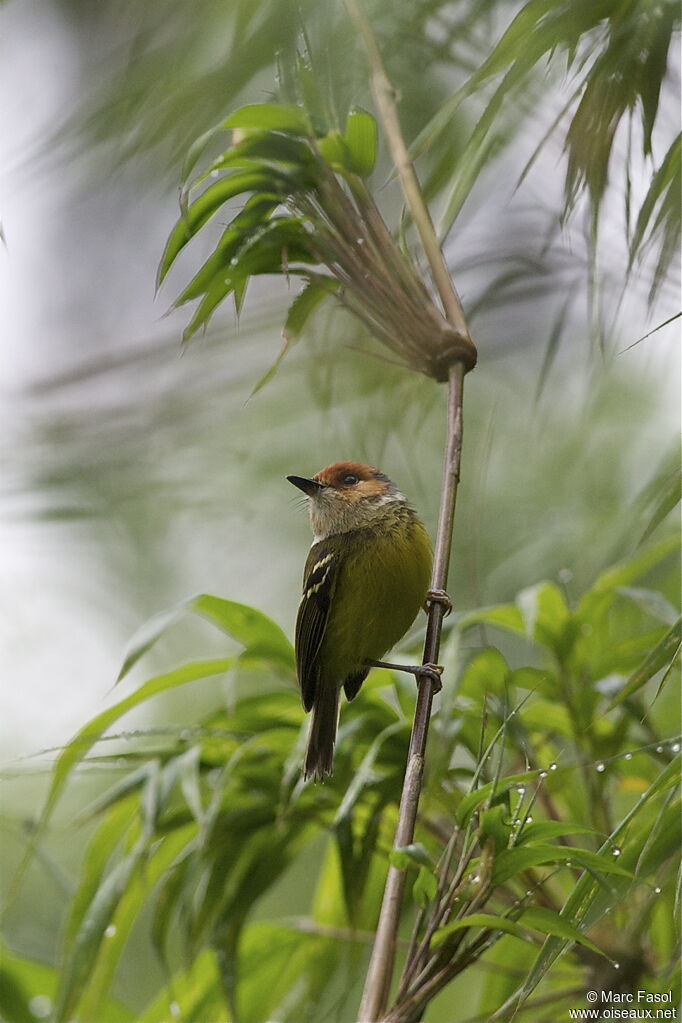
(366, 577)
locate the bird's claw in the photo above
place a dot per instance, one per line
(439, 597)
(433, 673)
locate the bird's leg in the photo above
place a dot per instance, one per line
(438, 597)
(430, 671)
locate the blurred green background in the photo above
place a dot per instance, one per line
(135, 475)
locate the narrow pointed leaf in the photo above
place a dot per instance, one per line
(269, 116)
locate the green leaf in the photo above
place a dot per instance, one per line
(549, 922)
(361, 139)
(314, 292)
(669, 499)
(665, 179)
(87, 943)
(627, 571)
(333, 149)
(203, 208)
(664, 654)
(408, 855)
(537, 832)
(650, 601)
(513, 861)
(425, 887)
(545, 614)
(487, 920)
(86, 738)
(270, 117)
(473, 799)
(147, 635)
(256, 213)
(587, 889)
(255, 631)
(494, 824)
(485, 673)
(504, 616)
(260, 636)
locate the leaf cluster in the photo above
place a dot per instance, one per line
(307, 212)
(550, 817)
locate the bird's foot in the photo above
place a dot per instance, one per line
(432, 672)
(438, 597)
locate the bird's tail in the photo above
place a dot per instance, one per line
(320, 755)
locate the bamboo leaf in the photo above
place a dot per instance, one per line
(86, 738)
(409, 855)
(360, 137)
(270, 117)
(487, 920)
(663, 654)
(203, 208)
(549, 922)
(314, 292)
(503, 616)
(260, 636)
(513, 861)
(669, 499)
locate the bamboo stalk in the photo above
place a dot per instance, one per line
(462, 358)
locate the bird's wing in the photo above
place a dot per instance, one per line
(313, 614)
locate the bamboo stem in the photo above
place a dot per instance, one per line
(379, 974)
(377, 984)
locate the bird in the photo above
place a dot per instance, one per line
(366, 577)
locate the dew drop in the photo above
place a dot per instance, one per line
(40, 1006)
(174, 1009)
(529, 819)
(601, 766)
(628, 756)
(110, 931)
(569, 863)
(657, 890)
(616, 966)
(521, 789)
(529, 892)
(616, 851)
(215, 173)
(552, 766)
(543, 774)
(361, 241)
(476, 878)
(659, 749)
(565, 575)
(675, 747)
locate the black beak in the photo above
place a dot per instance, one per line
(309, 487)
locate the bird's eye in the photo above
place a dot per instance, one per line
(350, 480)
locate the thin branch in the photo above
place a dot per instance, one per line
(460, 359)
(384, 95)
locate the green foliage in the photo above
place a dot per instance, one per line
(307, 212)
(615, 57)
(212, 821)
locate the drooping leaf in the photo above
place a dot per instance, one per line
(203, 208)
(259, 635)
(513, 861)
(269, 117)
(663, 655)
(85, 739)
